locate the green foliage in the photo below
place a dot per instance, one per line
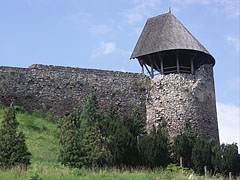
(19, 109)
(127, 144)
(96, 147)
(13, 149)
(1, 105)
(178, 169)
(231, 158)
(112, 127)
(79, 172)
(136, 123)
(183, 145)
(154, 148)
(217, 161)
(29, 122)
(38, 113)
(173, 167)
(49, 117)
(70, 140)
(90, 114)
(202, 155)
(34, 176)
(123, 145)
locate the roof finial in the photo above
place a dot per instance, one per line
(169, 9)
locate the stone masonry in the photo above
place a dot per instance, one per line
(60, 89)
(173, 97)
(177, 97)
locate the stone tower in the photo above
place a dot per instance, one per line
(185, 87)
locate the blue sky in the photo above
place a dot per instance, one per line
(102, 34)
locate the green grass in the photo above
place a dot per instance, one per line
(42, 141)
(41, 138)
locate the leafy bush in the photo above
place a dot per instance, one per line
(178, 169)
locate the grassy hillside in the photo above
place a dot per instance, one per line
(41, 138)
(42, 141)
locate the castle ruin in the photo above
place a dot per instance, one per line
(179, 84)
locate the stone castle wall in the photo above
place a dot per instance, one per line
(173, 97)
(61, 89)
(177, 97)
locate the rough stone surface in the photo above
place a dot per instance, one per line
(173, 97)
(60, 89)
(177, 97)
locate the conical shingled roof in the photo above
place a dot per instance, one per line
(163, 33)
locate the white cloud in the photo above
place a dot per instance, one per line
(104, 48)
(233, 40)
(229, 123)
(100, 29)
(141, 10)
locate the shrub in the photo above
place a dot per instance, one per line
(183, 145)
(231, 159)
(154, 148)
(90, 114)
(96, 147)
(217, 160)
(71, 151)
(202, 155)
(136, 123)
(13, 149)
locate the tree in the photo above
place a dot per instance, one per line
(136, 123)
(231, 159)
(183, 145)
(154, 148)
(13, 149)
(91, 113)
(71, 153)
(217, 161)
(202, 155)
(96, 147)
(123, 145)
(111, 126)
